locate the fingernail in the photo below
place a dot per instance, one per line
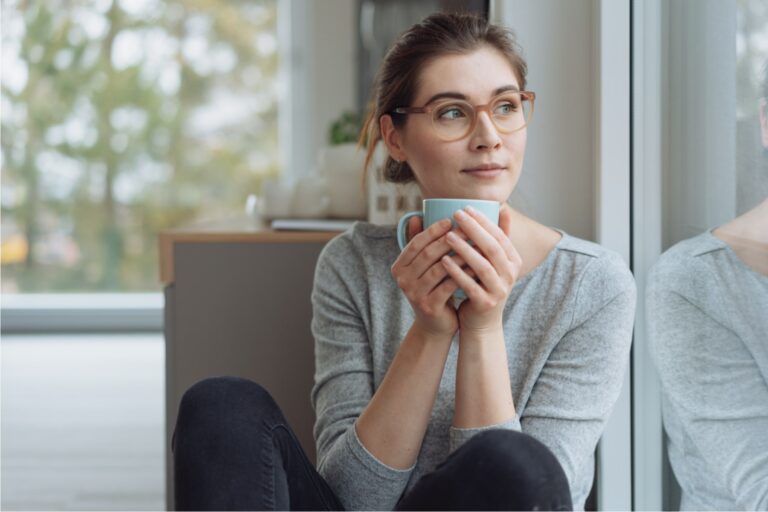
(460, 214)
(470, 209)
(452, 236)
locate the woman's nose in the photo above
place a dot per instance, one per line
(485, 134)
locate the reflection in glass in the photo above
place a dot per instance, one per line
(707, 303)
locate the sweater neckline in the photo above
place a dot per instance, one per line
(733, 256)
(546, 261)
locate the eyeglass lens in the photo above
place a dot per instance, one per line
(455, 118)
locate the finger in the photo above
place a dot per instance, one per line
(492, 229)
(444, 291)
(414, 227)
(466, 268)
(505, 224)
(430, 255)
(490, 275)
(421, 240)
(464, 281)
(461, 262)
(505, 219)
(492, 242)
(435, 274)
(431, 278)
(480, 235)
(483, 244)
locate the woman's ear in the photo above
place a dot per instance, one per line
(391, 138)
(764, 121)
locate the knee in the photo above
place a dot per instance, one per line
(217, 398)
(498, 470)
(500, 444)
(516, 456)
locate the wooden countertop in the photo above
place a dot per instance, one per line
(236, 229)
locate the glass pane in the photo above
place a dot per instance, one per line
(123, 118)
(707, 295)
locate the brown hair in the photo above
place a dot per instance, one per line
(395, 83)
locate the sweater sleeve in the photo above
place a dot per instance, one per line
(716, 389)
(344, 385)
(459, 436)
(580, 382)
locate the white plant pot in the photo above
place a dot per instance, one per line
(310, 198)
(342, 167)
(276, 199)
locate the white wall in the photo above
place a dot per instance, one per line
(557, 38)
(320, 68)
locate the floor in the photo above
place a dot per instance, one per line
(82, 422)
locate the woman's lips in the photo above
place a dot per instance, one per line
(485, 173)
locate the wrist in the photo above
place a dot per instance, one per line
(429, 334)
(482, 334)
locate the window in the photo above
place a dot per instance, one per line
(700, 178)
(123, 118)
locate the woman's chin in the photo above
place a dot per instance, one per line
(496, 193)
(487, 195)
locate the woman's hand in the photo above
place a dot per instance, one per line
(493, 259)
(424, 279)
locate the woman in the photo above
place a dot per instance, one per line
(707, 302)
(496, 403)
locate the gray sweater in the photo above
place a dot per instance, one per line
(708, 328)
(568, 330)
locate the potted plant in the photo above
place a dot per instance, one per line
(345, 129)
(342, 165)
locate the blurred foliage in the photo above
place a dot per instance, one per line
(345, 129)
(751, 59)
(124, 118)
(752, 54)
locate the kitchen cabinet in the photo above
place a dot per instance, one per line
(237, 302)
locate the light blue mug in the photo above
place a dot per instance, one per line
(435, 210)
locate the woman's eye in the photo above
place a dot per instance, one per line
(506, 108)
(451, 113)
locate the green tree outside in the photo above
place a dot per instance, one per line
(123, 118)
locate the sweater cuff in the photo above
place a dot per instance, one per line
(459, 436)
(368, 460)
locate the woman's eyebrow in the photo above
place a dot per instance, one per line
(459, 96)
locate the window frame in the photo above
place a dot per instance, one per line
(613, 203)
(32, 313)
(647, 163)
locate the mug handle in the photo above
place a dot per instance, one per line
(401, 232)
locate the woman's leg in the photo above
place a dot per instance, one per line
(233, 450)
(495, 470)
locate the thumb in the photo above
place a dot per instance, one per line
(505, 218)
(414, 227)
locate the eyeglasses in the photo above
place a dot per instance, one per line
(454, 119)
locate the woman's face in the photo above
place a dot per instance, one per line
(444, 169)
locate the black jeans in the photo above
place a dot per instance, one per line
(233, 450)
